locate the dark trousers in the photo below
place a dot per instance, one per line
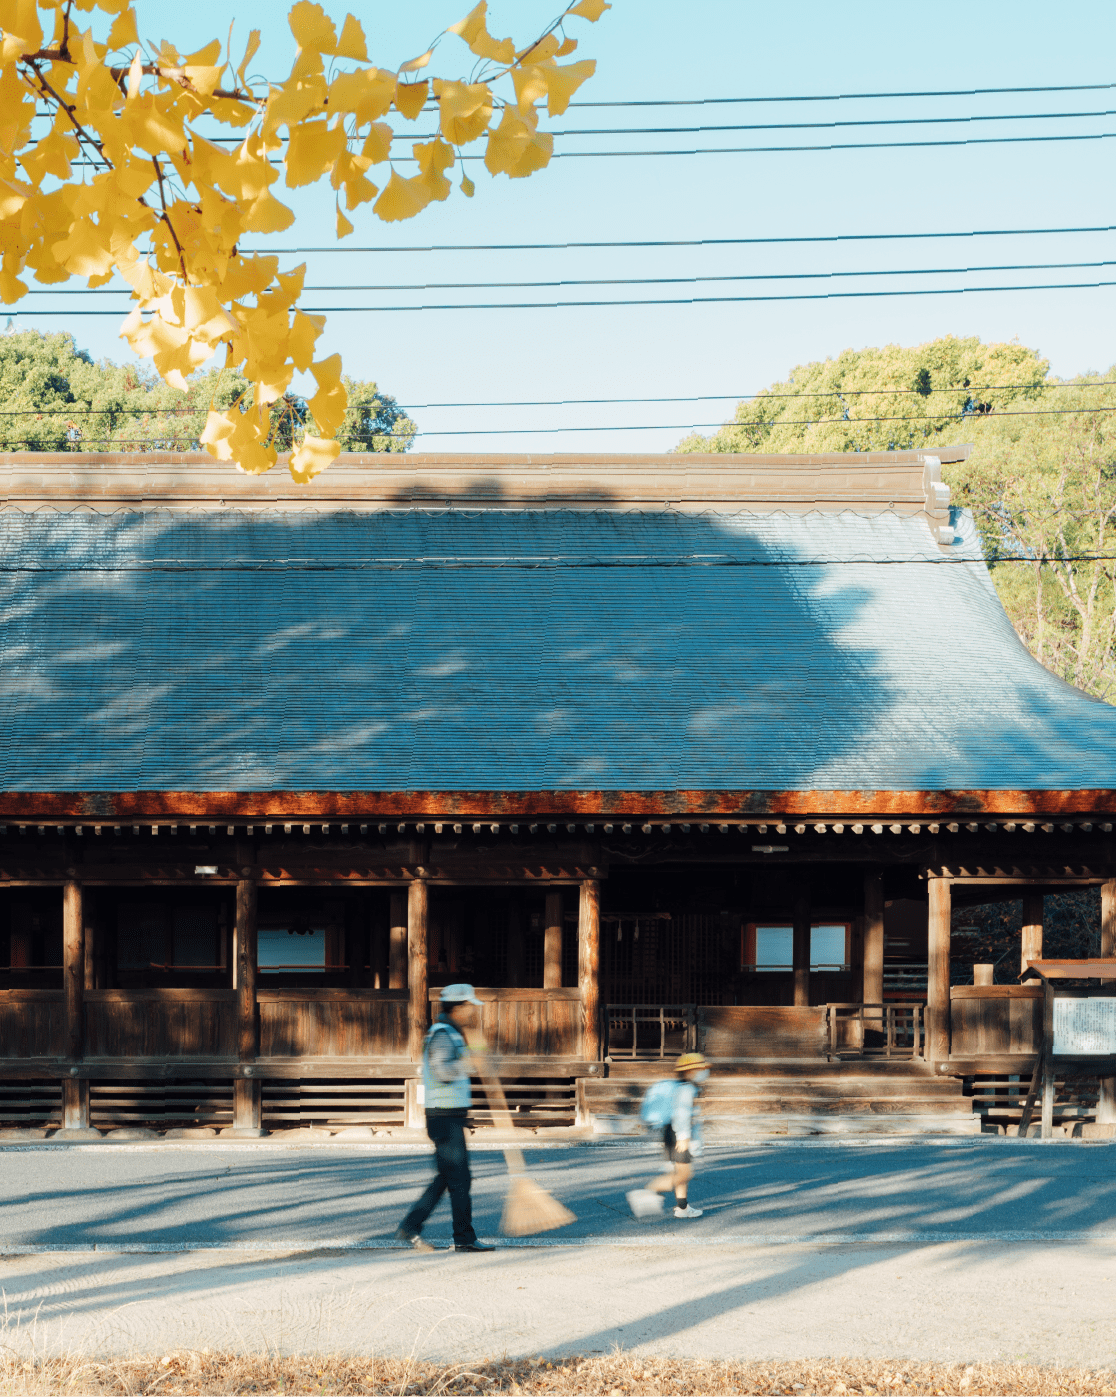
(451, 1162)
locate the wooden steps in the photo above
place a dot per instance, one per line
(807, 1101)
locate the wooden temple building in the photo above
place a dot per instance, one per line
(657, 751)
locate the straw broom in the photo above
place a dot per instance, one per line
(528, 1208)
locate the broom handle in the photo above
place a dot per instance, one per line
(499, 1103)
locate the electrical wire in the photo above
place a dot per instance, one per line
(631, 281)
(760, 396)
(649, 301)
(641, 426)
(688, 242)
(846, 96)
(829, 146)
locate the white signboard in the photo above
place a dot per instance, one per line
(1085, 1027)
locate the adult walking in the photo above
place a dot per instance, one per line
(447, 1092)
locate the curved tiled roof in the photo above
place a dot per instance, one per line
(520, 649)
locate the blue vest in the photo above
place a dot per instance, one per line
(445, 1096)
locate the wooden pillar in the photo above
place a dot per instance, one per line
(1106, 1105)
(589, 966)
(552, 941)
(246, 1090)
(801, 949)
(982, 974)
(872, 991)
(75, 1094)
(1031, 942)
(397, 943)
(417, 906)
(937, 976)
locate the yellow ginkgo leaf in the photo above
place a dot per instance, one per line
(312, 457)
(351, 44)
(303, 338)
(410, 98)
(530, 85)
(562, 83)
(249, 53)
(19, 20)
(434, 157)
(267, 215)
(377, 144)
(567, 46)
(590, 9)
(473, 23)
(542, 52)
(344, 227)
(330, 401)
(312, 27)
(413, 65)
(367, 93)
(312, 149)
(466, 110)
(467, 186)
(123, 30)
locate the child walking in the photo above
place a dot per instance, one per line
(673, 1106)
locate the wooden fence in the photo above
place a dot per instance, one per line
(995, 1020)
(31, 1023)
(333, 1023)
(160, 1023)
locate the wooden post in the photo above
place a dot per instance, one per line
(1106, 1104)
(801, 949)
(1047, 1061)
(872, 986)
(588, 967)
(417, 905)
(397, 948)
(937, 970)
(552, 942)
(1030, 947)
(982, 974)
(246, 1090)
(75, 1094)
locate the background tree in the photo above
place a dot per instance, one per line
(54, 397)
(168, 204)
(1041, 478)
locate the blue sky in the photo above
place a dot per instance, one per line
(714, 48)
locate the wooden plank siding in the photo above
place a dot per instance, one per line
(333, 1023)
(160, 1023)
(530, 1022)
(749, 1030)
(995, 1019)
(32, 1023)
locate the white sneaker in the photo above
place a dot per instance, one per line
(644, 1203)
(688, 1212)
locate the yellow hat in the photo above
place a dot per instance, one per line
(689, 1062)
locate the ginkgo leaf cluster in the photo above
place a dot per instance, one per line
(112, 163)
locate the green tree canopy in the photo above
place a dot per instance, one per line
(54, 397)
(1040, 480)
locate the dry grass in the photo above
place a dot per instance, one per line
(191, 1372)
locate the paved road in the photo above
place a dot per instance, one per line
(126, 1195)
(976, 1250)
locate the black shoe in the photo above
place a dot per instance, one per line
(472, 1246)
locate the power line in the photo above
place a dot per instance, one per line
(650, 301)
(760, 396)
(632, 281)
(846, 96)
(829, 146)
(689, 242)
(636, 427)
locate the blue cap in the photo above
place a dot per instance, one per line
(460, 994)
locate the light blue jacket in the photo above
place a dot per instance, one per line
(686, 1120)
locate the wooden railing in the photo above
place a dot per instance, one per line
(649, 1030)
(875, 1030)
(530, 1022)
(333, 1023)
(750, 1030)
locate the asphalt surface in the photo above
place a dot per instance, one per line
(969, 1251)
(228, 1195)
